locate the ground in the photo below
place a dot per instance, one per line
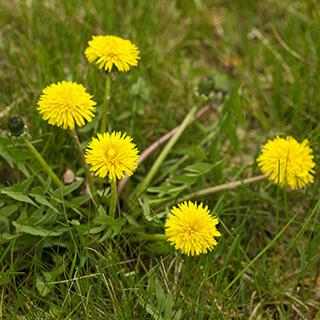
(57, 261)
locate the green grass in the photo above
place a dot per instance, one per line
(57, 262)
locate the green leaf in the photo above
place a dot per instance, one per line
(200, 168)
(19, 196)
(184, 179)
(38, 231)
(14, 155)
(42, 200)
(63, 191)
(139, 89)
(42, 286)
(8, 210)
(42, 190)
(49, 217)
(107, 220)
(47, 185)
(21, 186)
(115, 224)
(78, 201)
(161, 189)
(75, 222)
(232, 111)
(6, 155)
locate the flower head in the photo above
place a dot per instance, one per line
(191, 228)
(107, 51)
(287, 162)
(65, 104)
(112, 155)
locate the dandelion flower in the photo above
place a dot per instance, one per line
(107, 51)
(65, 104)
(112, 155)
(287, 162)
(191, 229)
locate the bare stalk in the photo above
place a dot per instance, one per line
(222, 187)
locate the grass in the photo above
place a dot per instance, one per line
(57, 261)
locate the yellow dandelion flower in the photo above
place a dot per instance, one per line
(65, 104)
(107, 51)
(191, 229)
(287, 162)
(112, 155)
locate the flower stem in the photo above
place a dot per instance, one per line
(113, 199)
(154, 169)
(222, 187)
(146, 236)
(141, 236)
(88, 176)
(43, 163)
(105, 106)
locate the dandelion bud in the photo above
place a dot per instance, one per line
(214, 87)
(206, 86)
(16, 126)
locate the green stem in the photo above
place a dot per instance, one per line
(113, 199)
(152, 237)
(222, 187)
(105, 106)
(43, 163)
(154, 169)
(88, 176)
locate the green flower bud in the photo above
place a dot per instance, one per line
(216, 86)
(206, 86)
(16, 126)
